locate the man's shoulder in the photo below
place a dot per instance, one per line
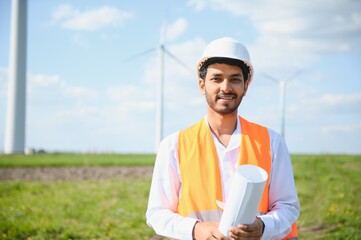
(171, 138)
(272, 133)
(192, 126)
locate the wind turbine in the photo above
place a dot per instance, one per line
(282, 83)
(15, 118)
(162, 50)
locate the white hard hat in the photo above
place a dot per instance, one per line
(226, 48)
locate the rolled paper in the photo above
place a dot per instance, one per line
(246, 189)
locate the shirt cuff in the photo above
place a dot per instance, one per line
(269, 226)
(187, 227)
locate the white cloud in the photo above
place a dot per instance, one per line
(70, 18)
(333, 100)
(293, 34)
(80, 92)
(131, 98)
(336, 18)
(64, 11)
(350, 128)
(199, 5)
(43, 80)
(121, 93)
(80, 41)
(74, 113)
(324, 110)
(86, 118)
(336, 103)
(54, 85)
(175, 29)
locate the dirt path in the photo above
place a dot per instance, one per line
(70, 173)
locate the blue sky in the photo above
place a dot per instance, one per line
(86, 95)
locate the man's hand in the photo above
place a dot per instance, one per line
(253, 231)
(207, 230)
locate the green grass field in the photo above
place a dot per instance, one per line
(329, 189)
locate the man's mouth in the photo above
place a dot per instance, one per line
(226, 97)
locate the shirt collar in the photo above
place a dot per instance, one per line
(235, 138)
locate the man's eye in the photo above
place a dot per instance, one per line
(237, 80)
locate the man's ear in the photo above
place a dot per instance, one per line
(245, 88)
(201, 85)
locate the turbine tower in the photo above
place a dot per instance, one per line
(282, 92)
(16, 111)
(162, 51)
(159, 119)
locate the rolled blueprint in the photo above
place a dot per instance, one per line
(245, 194)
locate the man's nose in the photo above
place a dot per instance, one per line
(226, 86)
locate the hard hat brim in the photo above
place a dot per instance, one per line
(204, 60)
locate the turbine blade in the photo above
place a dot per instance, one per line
(163, 32)
(138, 55)
(271, 78)
(292, 76)
(177, 60)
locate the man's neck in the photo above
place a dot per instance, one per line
(222, 126)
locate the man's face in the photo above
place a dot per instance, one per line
(223, 87)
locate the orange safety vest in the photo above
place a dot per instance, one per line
(200, 173)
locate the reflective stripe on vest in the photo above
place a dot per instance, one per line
(200, 173)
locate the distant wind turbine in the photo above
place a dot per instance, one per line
(162, 50)
(15, 118)
(282, 92)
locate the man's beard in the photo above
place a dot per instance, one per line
(226, 108)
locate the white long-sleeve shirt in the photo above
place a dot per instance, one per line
(166, 188)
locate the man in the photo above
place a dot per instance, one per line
(194, 166)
